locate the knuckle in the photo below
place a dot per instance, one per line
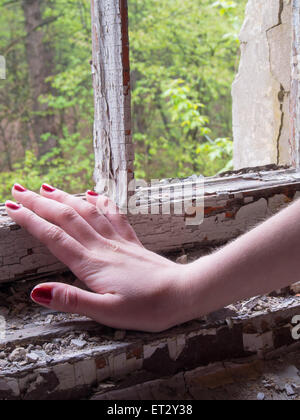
(54, 234)
(29, 219)
(91, 212)
(103, 204)
(89, 264)
(103, 201)
(67, 214)
(70, 300)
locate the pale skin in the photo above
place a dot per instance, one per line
(130, 287)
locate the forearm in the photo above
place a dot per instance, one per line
(263, 260)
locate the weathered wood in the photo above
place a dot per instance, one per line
(233, 205)
(261, 90)
(66, 372)
(114, 152)
(295, 86)
(242, 380)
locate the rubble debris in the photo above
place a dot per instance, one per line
(289, 390)
(32, 357)
(295, 288)
(287, 379)
(80, 344)
(120, 335)
(18, 355)
(182, 260)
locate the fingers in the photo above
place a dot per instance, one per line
(70, 299)
(112, 213)
(65, 248)
(59, 214)
(86, 210)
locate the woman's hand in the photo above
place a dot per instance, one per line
(130, 287)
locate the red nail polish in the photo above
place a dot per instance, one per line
(12, 206)
(19, 188)
(92, 193)
(42, 295)
(48, 188)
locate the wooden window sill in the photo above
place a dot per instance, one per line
(233, 205)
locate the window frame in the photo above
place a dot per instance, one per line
(115, 65)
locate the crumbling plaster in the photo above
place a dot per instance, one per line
(261, 89)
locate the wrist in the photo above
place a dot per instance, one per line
(176, 296)
(187, 293)
(197, 289)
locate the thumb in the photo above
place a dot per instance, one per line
(70, 299)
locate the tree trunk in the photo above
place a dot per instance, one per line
(40, 57)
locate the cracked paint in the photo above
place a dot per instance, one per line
(233, 204)
(74, 374)
(261, 90)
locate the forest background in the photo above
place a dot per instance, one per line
(184, 57)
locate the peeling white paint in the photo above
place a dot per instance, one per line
(261, 89)
(150, 349)
(206, 332)
(176, 346)
(85, 372)
(118, 364)
(66, 376)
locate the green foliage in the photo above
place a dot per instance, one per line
(70, 165)
(67, 166)
(184, 55)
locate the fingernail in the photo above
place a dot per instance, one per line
(19, 188)
(48, 188)
(12, 206)
(42, 295)
(92, 193)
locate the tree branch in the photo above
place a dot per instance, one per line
(22, 38)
